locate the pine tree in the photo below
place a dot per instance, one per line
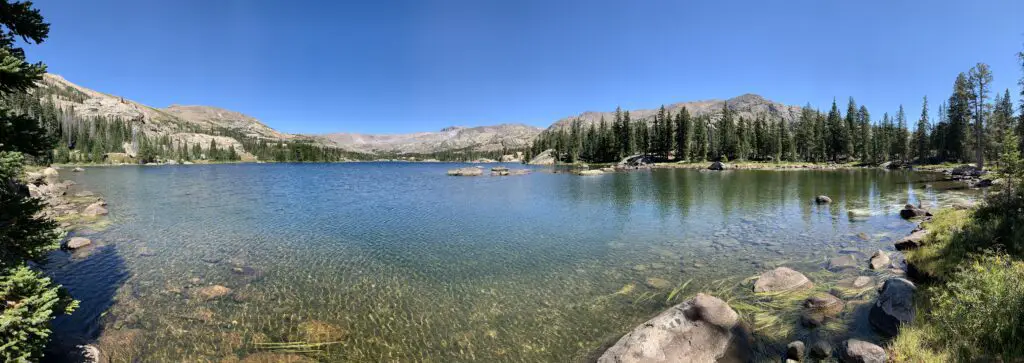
(1002, 121)
(839, 136)
(864, 125)
(726, 139)
(29, 299)
(921, 151)
(699, 146)
(981, 79)
(900, 137)
(684, 133)
(959, 115)
(856, 140)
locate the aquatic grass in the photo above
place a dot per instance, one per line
(677, 290)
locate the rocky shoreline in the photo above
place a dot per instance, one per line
(707, 329)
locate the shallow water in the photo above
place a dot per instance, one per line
(399, 262)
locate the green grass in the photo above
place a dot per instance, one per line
(973, 309)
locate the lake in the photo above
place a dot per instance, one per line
(400, 262)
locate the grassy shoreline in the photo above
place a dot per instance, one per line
(970, 298)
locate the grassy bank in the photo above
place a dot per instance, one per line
(970, 302)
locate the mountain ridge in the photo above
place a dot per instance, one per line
(189, 123)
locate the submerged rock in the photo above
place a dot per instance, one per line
(782, 279)
(470, 171)
(78, 170)
(879, 260)
(589, 172)
(859, 351)
(702, 329)
(894, 306)
(912, 241)
(842, 262)
(269, 357)
(212, 292)
(658, 283)
(78, 242)
(315, 331)
(822, 199)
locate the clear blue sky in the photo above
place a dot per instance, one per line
(418, 65)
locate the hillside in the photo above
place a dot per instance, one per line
(748, 106)
(483, 138)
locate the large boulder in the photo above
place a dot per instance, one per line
(912, 241)
(702, 329)
(822, 199)
(546, 157)
(470, 171)
(718, 165)
(910, 211)
(967, 170)
(859, 351)
(894, 306)
(78, 242)
(782, 279)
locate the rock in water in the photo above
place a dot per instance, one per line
(589, 172)
(718, 165)
(824, 304)
(842, 262)
(703, 329)
(879, 260)
(822, 199)
(914, 240)
(782, 279)
(894, 306)
(859, 351)
(910, 211)
(821, 349)
(78, 170)
(95, 209)
(795, 351)
(471, 171)
(78, 242)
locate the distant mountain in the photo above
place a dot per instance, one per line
(194, 124)
(748, 106)
(483, 138)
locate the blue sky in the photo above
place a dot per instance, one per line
(419, 65)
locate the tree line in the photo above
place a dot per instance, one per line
(969, 128)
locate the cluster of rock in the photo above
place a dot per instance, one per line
(479, 171)
(47, 186)
(706, 329)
